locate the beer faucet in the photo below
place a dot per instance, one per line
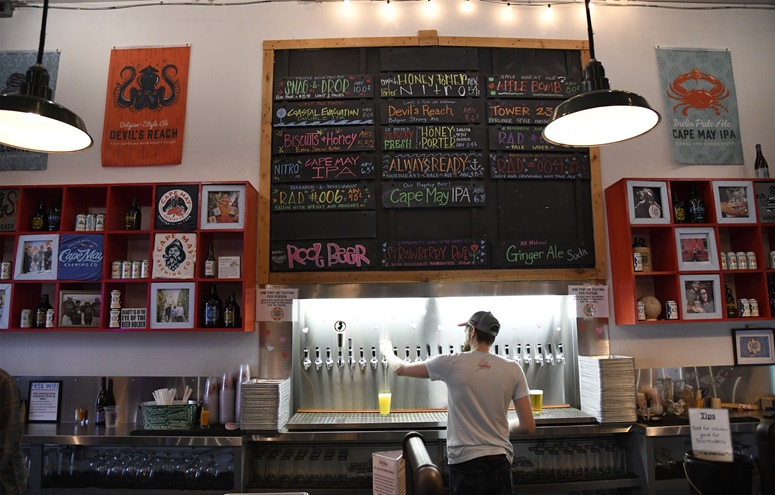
(329, 361)
(418, 358)
(539, 359)
(350, 357)
(384, 360)
(549, 354)
(506, 348)
(528, 357)
(497, 352)
(340, 359)
(451, 350)
(362, 361)
(406, 359)
(560, 354)
(518, 354)
(374, 362)
(307, 363)
(318, 361)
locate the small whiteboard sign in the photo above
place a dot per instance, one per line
(45, 401)
(591, 300)
(711, 438)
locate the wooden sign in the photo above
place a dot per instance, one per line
(321, 112)
(322, 196)
(435, 254)
(432, 194)
(419, 165)
(329, 167)
(323, 139)
(532, 86)
(521, 138)
(539, 166)
(432, 137)
(324, 87)
(429, 84)
(520, 112)
(430, 111)
(540, 253)
(340, 254)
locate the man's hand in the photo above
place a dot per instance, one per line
(386, 348)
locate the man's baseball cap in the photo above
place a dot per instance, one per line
(483, 321)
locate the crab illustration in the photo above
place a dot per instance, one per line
(698, 97)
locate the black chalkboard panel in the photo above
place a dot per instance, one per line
(322, 196)
(539, 166)
(438, 194)
(432, 137)
(430, 111)
(522, 138)
(535, 86)
(452, 254)
(429, 85)
(306, 225)
(341, 254)
(328, 167)
(322, 112)
(323, 87)
(520, 112)
(441, 165)
(322, 139)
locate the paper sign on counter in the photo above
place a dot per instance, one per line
(711, 437)
(276, 304)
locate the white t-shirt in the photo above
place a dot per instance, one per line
(480, 387)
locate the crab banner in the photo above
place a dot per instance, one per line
(145, 108)
(698, 89)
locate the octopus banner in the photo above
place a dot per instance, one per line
(698, 89)
(13, 70)
(145, 107)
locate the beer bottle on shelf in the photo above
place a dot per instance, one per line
(39, 219)
(40, 312)
(730, 302)
(231, 312)
(771, 292)
(696, 206)
(100, 403)
(213, 310)
(54, 215)
(210, 263)
(111, 397)
(133, 216)
(679, 209)
(760, 165)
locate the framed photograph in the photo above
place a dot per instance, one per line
(79, 308)
(753, 346)
(45, 402)
(696, 248)
(5, 304)
(701, 297)
(734, 201)
(223, 206)
(647, 202)
(36, 257)
(765, 199)
(172, 305)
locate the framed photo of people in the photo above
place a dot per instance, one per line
(36, 257)
(696, 249)
(223, 206)
(79, 308)
(753, 346)
(734, 201)
(647, 202)
(701, 297)
(172, 305)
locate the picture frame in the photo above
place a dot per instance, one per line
(223, 206)
(5, 304)
(696, 249)
(705, 288)
(647, 202)
(765, 201)
(79, 308)
(734, 201)
(753, 346)
(45, 401)
(37, 257)
(172, 305)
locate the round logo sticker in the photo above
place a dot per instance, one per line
(277, 313)
(175, 206)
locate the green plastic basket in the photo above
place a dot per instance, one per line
(172, 417)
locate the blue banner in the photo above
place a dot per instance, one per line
(80, 257)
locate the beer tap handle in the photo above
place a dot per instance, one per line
(329, 361)
(506, 348)
(406, 359)
(441, 350)
(497, 352)
(362, 360)
(428, 350)
(560, 355)
(318, 361)
(549, 354)
(527, 358)
(539, 359)
(451, 350)
(419, 352)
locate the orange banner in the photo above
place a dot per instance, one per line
(145, 107)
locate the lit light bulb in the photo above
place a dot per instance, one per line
(467, 6)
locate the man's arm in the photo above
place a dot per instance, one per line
(399, 367)
(525, 422)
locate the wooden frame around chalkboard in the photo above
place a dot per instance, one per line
(424, 38)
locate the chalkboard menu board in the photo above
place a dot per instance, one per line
(425, 158)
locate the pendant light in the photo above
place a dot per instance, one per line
(31, 121)
(599, 115)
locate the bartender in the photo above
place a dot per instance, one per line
(480, 386)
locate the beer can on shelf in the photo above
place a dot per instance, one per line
(91, 220)
(126, 269)
(671, 310)
(752, 264)
(80, 222)
(744, 308)
(136, 269)
(641, 311)
(49, 318)
(742, 261)
(723, 261)
(731, 261)
(144, 269)
(754, 307)
(26, 319)
(99, 221)
(5, 270)
(637, 262)
(115, 269)
(772, 259)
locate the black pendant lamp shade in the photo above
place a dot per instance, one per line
(31, 121)
(599, 115)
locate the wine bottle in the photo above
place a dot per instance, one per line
(54, 215)
(210, 263)
(101, 402)
(231, 312)
(679, 209)
(39, 219)
(111, 397)
(730, 303)
(760, 166)
(771, 292)
(696, 206)
(41, 310)
(213, 310)
(133, 216)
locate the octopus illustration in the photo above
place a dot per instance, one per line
(700, 96)
(148, 94)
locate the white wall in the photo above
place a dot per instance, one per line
(223, 117)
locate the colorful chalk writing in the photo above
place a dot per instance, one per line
(322, 196)
(430, 111)
(324, 87)
(429, 84)
(540, 253)
(525, 85)
(520, 112)
(340, 254)
(421, 165)
(432, 194)
(521, 138)
(539, 166)
(435, 254)
(322, 112)
(323, 139)
(432, 137)
(309, 168)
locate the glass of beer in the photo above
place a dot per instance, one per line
(536, 400)
(384, 403)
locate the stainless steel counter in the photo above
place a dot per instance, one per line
(739, 423)
(128, 434)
